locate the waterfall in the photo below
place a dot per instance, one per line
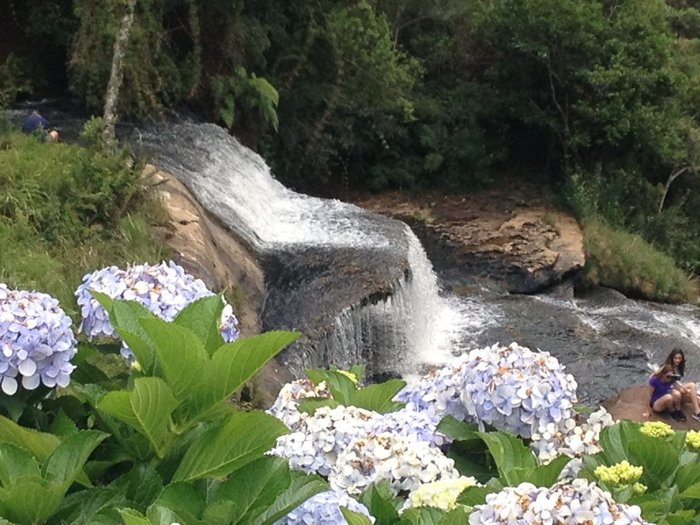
(316, 250)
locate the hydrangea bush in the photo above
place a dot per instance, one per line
(286, 405)
(324, 508)
(165, 289)
(36, 340)
(577, 501)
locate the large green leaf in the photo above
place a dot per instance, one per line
(255, 486)
(687, 475)
(458, 430)
(203, 317)
(40, 444)
(355, 518)
(514, 460)
(382, 503)
(147, 408)
(547, 475)
(16, 462)
(65, 464)
(658, 458)
(180, 354)
(614, 439)
(235, 363)
(244, 437)
(30, 500)
(303, 487)
(183, 498)
(379, 397)
(133, 517)
(125, 317)
(423, 516)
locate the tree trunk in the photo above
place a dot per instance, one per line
(115, 79)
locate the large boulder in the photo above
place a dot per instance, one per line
(212, 253)
(509, 238)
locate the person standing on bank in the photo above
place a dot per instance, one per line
(688, 390)
(664, 396)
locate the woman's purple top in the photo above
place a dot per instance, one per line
(661, 388)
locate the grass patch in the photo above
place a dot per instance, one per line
(627, 262)
(66, 210)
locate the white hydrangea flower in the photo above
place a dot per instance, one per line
(570, 502)
(315, 446)
(569, 438)
(515, 389)
(405, 464)
(441, 494)
(286, 405)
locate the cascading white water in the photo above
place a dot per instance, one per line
(409, 327)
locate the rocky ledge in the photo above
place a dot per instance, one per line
(509, 238)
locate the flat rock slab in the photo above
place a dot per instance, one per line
(633, 404)
(508, 237)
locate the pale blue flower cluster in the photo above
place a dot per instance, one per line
(324, 508)
(571, 502)
(515, 389)
(165, 289)
(418, 426)
(437, 392)
(36, 340)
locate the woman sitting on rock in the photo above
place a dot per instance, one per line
(688, 390)
(664, 396)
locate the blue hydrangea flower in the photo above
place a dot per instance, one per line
(36, 341)
(324, 508)
(164, 289)
(419, 426)
(516, 389)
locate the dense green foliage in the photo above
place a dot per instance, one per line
(595, 98)
(56, 200)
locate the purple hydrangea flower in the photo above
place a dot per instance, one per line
(164, 289)
(324, 508)
(36, 341)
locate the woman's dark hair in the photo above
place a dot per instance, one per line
(669, 360)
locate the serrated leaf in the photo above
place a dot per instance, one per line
(40, 444)
(354, 518)
(133, 517)
(613, 441)
(381, 503)
(472, 496)
(687, 475)
(423, 516)
(147, 408)
(255, 487)
(455, 517)
(303, 487)
(183, 498)
(29, 500)
(81, 508)
(125, 317)
(16, 462)
(244, 437)
(458, 430)
(235, 363)
(66, 462)
(658, 459)
(180, 354)
(513, 459)
(202, 317)
(379, 397)
(547, 475)
(141, 485)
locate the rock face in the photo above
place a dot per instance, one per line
(208, 251)
(633, 403)
(522, 245)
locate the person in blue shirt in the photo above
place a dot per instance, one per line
(664, 396)
(35, 122)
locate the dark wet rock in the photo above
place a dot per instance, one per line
(522, 245)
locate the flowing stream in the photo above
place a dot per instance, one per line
(361, 288)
